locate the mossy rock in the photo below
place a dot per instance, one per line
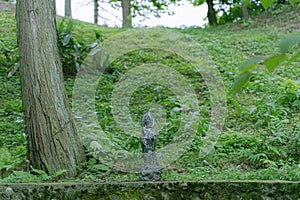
(154, 190)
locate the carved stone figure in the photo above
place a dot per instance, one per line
(148, 137)
(151, 170)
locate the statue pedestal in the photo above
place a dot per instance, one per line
(152, 169)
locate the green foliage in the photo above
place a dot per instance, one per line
(93, 169)
(289, 43)
(231, 11)
(144, 8)
(261, 136)
(11, 116)
(9, 159)
(293, 2)
(267, 3)
(286, 45)
(34, 176)
(146, 96)
(72, 50)
(10, 55)
(8, 43)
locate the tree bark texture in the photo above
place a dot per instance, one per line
(245, 11)
(126, 14)
(211, 13)
(68, 8)
(96, 11)
(53, 140)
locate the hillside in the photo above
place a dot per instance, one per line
(261, 134)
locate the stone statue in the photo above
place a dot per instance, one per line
(151, 170)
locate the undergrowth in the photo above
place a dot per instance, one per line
(261, 135)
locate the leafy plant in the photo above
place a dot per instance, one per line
(34, 176)
(9, 161)
(9, 57)
(72, 50)
(288, 44)
(261, 135)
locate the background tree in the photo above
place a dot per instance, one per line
(236, 10)
(68, 8)
(245, 4)
(96, 11)
(126, 14)
(211, 12)
(53, 141)
(131, 9)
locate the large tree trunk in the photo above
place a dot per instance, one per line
(96, 11)
(53, 140)
(68, 8)
(126, 14)
(211, 13)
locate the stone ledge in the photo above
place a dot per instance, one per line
(210, 189)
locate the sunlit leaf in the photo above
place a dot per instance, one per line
(240, 82)
(250, 64)
(293, 58)
(267, 3)
(292, 2)
(272, 62)
(289, 42)
(59, 172)
(296, 103)
(246, 2)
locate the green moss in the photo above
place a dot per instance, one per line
(154, 190)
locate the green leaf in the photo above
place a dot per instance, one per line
(250, 64)
(38, 171)
(293, 58)
(293, 1)
(288, 43)
(272, 62)
(59, 172)
(4, 46)
(237, 105)
(267, 3)
(70, 25)
(246, 2)
(197, 2)
(240, 82)
(61, 25)
(296, 103)
(66, 39)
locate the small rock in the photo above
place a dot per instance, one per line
(9, 191)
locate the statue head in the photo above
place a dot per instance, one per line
(148, 120)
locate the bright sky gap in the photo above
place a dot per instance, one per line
(185, 15)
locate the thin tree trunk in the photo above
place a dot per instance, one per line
(96, 11)
(126, 14)
(245, 12)
(211, 13)
(68, 8)
(53, 140)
